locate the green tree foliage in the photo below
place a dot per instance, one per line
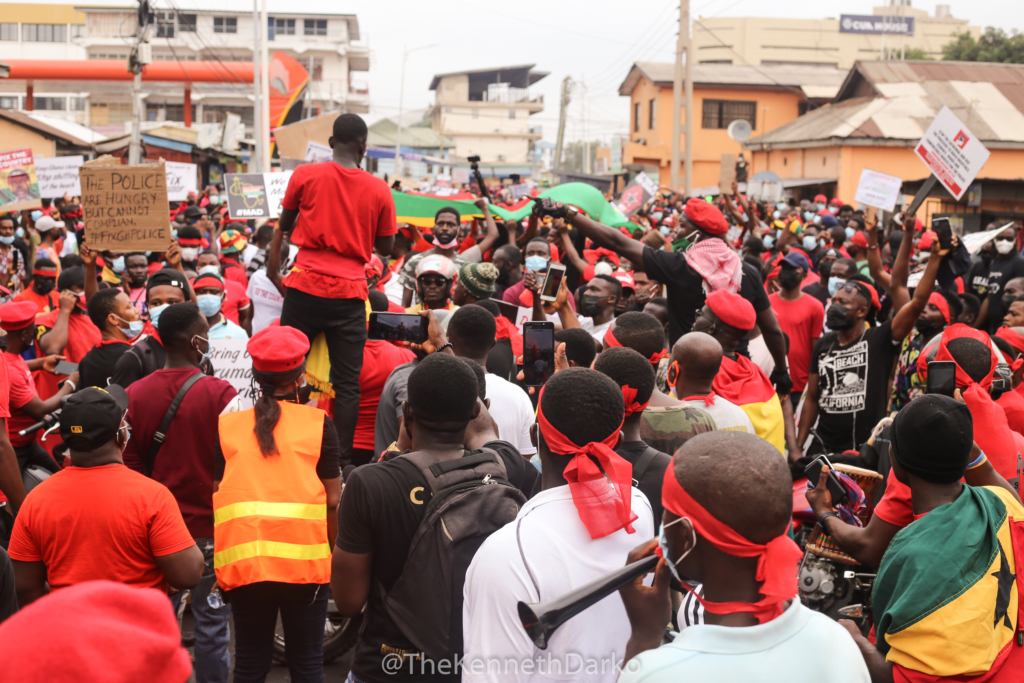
(916, 53)
(994, 45)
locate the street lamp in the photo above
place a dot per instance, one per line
(401, 96)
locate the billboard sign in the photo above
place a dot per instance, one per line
(876, 24)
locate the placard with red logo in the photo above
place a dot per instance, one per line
(952, 152)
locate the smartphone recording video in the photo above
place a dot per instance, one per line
(398, 327)
(538, 352)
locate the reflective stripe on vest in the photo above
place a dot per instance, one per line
(270, 513)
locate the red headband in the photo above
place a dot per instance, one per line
(777, 560)
(1013, 339)
(46, 272)
(610, 340)
(962, 378)
(603, 508)
(629, 397)
(189, 242)
(940, 303)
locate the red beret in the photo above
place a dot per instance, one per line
(208, 280)
(876, 304)
(122, 634)
(277, 349)
(732, 309)
(706, 217)
(860, 239)
(17, 315)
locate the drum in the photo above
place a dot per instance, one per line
(821, 543)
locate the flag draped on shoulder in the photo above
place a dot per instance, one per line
(742, 382)
(946, 599)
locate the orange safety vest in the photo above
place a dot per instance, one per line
(270, 513)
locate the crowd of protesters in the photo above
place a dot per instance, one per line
(705, 353)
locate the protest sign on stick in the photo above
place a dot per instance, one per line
(125, 208)
(181, 179)
(878, 190)
(59, 176)
(19, 187)
(727, 174)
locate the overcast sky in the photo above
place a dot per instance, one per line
(593, 42)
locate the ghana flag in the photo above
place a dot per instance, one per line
(946, 599)
(745, 384)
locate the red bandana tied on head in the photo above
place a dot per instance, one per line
(603, 507)
(629, 397)
(1014, 340)
(610, 341)
(592, 255)
(777, 560)
(939, 302)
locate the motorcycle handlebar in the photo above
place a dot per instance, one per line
(47, 422)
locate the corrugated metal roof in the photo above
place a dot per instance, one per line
(824, 80)
(988, 98)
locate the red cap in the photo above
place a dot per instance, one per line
(924, 245)
(860, 239)
(122, 634)
(837, 201)
(208, 280)
(820, 199)
(732, 309)
(17, 315)
(625, 279)
(706, 217)
(277, 349)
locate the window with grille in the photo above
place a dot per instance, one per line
(49, 103)
(636, 117)
(720, 113)
(8, 31)
(164, 22)
(187, 23)
(225, 25)
(77, 104)
(10, 102)
(315, 27)
(316, 68)
(44, 33)
(284, 27)
(650, 113)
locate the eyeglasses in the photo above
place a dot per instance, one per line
(434, 281)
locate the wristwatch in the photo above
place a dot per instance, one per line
(570, 213)
(821, 520)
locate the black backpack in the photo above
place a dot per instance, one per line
(472, 499)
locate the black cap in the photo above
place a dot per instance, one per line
(932, 437)
(91, 417)
(168, 276)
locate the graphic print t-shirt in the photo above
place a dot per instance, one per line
(852, 380)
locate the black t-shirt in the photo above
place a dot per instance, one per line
(327, 467)
(818, 292)
(382, 507)
(501, 361)
(143, 359)
(990, 280)
(650, 484)
(853, 382)
(97, 367)
(686, 288)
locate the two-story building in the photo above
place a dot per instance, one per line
(766, 97)
(487, 112)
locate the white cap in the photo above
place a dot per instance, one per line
(46, 224)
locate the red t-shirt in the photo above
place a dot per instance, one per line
(185, 461)
(379, 359)
(802, 321)
(22, 391)
(45, 303)
(83, 335)
(235, 300)
(1012, 404)
(234, 272)
(341, 212)
(93, 523)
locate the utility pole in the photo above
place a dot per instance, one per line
(264, 87)
(688, 130)
(140, 56)
(257, 103)
(566, 87)
(401, 106)
(677, 98)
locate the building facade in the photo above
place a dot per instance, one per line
(766, 97)
(323, 43)
(487, 112)
(830, 42)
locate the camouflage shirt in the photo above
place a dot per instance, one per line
(666, 428)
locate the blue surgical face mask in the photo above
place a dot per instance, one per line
(209, 304)
(117, 265)
(665, 230)
(834, 283)
(36, 215)
(209, 270)
(155, 311)
(769, 241)
(817, 219)
(833, 209)
(808, 216)
(20, 232)
(782, 206)
(536, 263)
(850, 232)
(820, 206)
(663, 544)
(214, 199)
(776, 214)
(7, 239)
(810, 242)
(209, 349)
(134, 328)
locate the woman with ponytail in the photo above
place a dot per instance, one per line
(276, 513)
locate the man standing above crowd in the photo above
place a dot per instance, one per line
(337, 214)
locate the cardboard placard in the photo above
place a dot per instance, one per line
(181, 179)
(291, 140)
(870, 215)
(727, 173)
(952, 152)
(19, 187)
(125, 208)
(59, 176)
(878, 190)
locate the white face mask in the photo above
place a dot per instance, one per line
(189, 254)
(1005, 246)
(663, 543)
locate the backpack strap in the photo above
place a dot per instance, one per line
(165, 424)
(642, 463)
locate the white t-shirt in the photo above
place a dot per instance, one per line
(513, 412)
(267, 302)
(728, 416)
(799, 646)
(761, 356)
(544, 553)
(597, 332)
(248, 252)
(394, 289)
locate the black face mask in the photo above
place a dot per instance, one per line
(589, 305)
(926, 326)
(837, 318)
(1006, 301)
(789, 278)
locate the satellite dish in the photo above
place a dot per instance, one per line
(740, 130)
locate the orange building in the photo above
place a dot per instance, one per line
(766, 96)
(882, 110)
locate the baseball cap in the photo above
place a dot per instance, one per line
(46, 224)
(797, 260)
(92, 416)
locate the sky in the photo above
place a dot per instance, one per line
(593, 42)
